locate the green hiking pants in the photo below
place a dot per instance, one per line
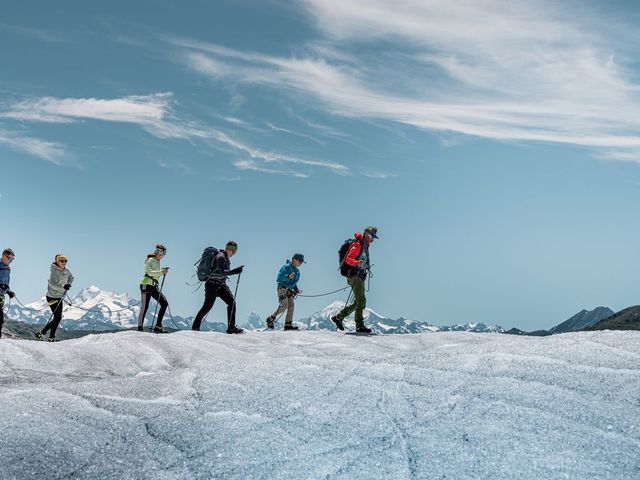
(359, 301)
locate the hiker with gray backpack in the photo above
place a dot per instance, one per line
(214, 268)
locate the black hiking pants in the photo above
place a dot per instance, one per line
(213, 290)
(1, 311)
(56, 306)
(147, 292)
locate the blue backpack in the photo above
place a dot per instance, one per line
(205, 265)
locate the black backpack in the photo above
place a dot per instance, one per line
(205, 265)
(344, 249)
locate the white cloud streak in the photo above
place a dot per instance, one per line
(148, 111)
(509, 71)
(52, 152)
(154, 113)
(259, 167)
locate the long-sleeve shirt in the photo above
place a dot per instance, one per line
(357, 252)
(57, 280)
(283, 276)
(221, 267)
(5, 278)
(152, 271)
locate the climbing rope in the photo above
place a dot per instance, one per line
(324, 294)
(70, 303)
(29, 308)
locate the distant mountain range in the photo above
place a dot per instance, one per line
(627, 319)
(580, 321)
(321, 320)
(95, 310)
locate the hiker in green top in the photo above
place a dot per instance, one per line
(149, 288)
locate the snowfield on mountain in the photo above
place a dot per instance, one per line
(321, 405)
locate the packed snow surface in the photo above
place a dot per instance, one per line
(321, 405)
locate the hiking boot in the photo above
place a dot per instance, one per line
(338, 321)
(159, 329)
(291, 327)
(52, 339)
(235, 330)
(363, 329)
(270, 322)
(140, 329)
(39, 335)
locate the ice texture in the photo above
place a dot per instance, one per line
(321, 405)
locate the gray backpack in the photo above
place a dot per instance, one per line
(205, 265)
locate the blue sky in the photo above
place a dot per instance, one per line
(494, 144)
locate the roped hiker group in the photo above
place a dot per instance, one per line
(213, 270)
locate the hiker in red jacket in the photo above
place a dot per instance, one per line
(358, 264)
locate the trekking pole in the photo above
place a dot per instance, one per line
(155, 311)
(235, 294)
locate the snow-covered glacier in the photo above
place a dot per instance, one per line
(320, 405)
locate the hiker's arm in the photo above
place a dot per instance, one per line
(351, 258)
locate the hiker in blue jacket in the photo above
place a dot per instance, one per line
(5, 279)
(288, 278)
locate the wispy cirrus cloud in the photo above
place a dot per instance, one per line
(509, 71)
(151, 112)
(156, 114)
(275, 157)
(52, 152)
(260, 167)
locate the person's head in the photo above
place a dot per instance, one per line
(297, 260)
(370, 233)
(8, 256)
(231, 248)
(61, 260)
(160, 251)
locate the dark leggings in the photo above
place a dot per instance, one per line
(213, 290)
(147, 292)
(56, 306)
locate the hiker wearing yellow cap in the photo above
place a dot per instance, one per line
(60, 281)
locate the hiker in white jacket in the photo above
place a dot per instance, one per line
(60, 281)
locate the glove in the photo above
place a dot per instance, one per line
(4, 286)
(11, 294)
(236, 270)
(67, 286)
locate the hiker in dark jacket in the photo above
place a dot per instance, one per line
(149, 288)
(60, 282)
(5, 279)
(216, 286)
(358, 260)
(287, 280)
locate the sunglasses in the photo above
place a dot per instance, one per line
(9, 258)
(62, 261)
